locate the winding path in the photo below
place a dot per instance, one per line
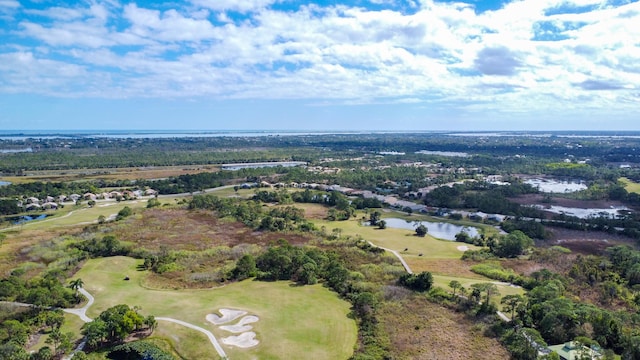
(82, 313)
(500, 314)
(397, 254)
(212, 338)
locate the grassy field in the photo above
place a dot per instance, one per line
(440, 257)
(503, 289)
(629, 185)
(295, 322)
(126, 173)
(398, 239)
(72, 215)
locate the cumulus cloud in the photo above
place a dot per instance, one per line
(600, 85)
(13, 4)
(497, 61)
(234, 5)
(527, 54)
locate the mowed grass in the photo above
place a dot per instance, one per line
(630, 186)
(399, 239)
(72, 215)
(440, 257)
(295, 322)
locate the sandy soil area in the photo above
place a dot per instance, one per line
(241, 326)
(246, 338)
(463, 248)
(228, 315)
(243, 340)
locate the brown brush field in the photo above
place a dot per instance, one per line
(180, 229)
(14, 250)
(419, 329)
(447, 267)
(130, 173)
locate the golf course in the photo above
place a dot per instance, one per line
(289, 321)
(440, 257)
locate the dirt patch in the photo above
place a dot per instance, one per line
(313, 211)
(585, 242)
(463, 248)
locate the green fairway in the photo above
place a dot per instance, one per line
(295, 322)
(503, 289)
(72, 215)
(629, 185)
(399, 239)
(421, 252)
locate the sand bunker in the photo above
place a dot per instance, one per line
(241, 326)
(244, 340)
(228, 315)
(247, 338)
(463, 248)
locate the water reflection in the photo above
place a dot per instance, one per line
(440, 230)
(557, 186)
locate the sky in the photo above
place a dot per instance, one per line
(399, 65)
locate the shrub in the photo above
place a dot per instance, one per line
(497, 272)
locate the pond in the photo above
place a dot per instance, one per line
(4, 183)
(17, 220)
(443, 153)
(584, 213)
(440, 230)
(556, 186)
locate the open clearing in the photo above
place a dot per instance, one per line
(419, 329)
(295, 322)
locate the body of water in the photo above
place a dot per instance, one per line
(4, 183)
(17, 220)
(262, 165)
(440, 230)
(13, 151)
(443, 153)
(556, 186)
(584, 213)
(20, 135)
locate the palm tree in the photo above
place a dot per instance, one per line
(76, 284)
(512, 302)
(455, 284)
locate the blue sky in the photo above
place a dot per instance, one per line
(324, 65)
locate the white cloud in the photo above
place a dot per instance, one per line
(234, 5)
(440, 53)
(12, 4)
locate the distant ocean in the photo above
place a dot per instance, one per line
(155, 134)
